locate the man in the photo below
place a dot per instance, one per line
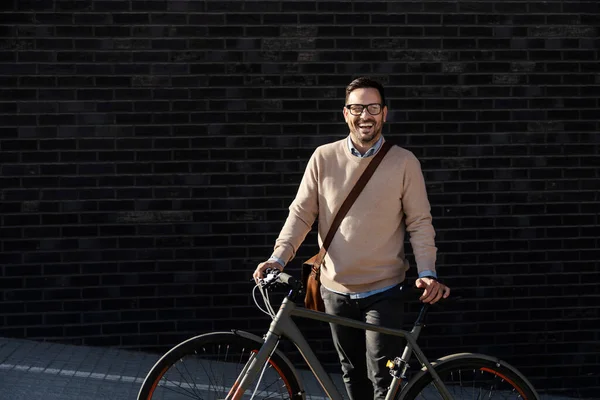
(364, 269)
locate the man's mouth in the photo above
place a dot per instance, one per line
(365, 127)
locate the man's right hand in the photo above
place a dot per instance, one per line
(259, 272)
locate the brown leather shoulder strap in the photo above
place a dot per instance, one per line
(352, 196)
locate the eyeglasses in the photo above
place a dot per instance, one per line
(357, 109)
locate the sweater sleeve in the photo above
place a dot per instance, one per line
(303, 212)
(418, 216)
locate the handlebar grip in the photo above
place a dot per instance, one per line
(288, 279)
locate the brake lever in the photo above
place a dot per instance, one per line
(270, 277)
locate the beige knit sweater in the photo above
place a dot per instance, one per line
(367, 251)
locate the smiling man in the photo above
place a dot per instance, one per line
(364, 269)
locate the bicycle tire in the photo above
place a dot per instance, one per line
(502, 381)
(279, 381)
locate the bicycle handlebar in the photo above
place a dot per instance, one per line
(273, 276)
(289, 280)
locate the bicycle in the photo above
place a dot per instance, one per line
(239, 365)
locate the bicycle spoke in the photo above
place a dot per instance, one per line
(193, 384)
(275, 385)
(182, 390)
(472, 384)
(491, 390)
(474, 387)
(211, 378)
(182, 393)
(211, 369)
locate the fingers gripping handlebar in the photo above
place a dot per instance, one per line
(274, 276)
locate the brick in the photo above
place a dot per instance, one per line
(15, 18)
(287, 44)
(37, 5)
(352, 19)
(334, 6)
(562, 31)
(228, 6)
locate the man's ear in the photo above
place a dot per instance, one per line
(385, 110)
(345, 112)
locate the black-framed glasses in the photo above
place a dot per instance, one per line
(357, 109)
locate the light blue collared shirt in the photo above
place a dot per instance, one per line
(362, 295)
(369, 152)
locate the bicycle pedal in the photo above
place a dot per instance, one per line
(397, 367)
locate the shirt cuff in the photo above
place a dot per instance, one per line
(278, 260)
(427, 273)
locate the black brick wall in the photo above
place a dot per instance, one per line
(149, 150)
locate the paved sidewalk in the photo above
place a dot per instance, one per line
(32, 370)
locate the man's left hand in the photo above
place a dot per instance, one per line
(434, 290)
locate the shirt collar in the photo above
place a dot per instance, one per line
(369, 152)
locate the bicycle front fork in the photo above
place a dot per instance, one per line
(253, 368)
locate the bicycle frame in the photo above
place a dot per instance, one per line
(283, 325)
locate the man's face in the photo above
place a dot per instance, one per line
(365, 129)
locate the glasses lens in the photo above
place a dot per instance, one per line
(374, 109)
(356, 109)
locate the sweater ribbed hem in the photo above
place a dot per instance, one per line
(366, 287)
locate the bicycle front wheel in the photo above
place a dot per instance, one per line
(470, 377)
(207, 367)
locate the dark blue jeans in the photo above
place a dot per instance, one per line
(363, 354)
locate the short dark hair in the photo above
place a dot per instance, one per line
(365, 82)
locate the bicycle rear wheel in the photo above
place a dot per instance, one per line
(470, 377)
(207, 366)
